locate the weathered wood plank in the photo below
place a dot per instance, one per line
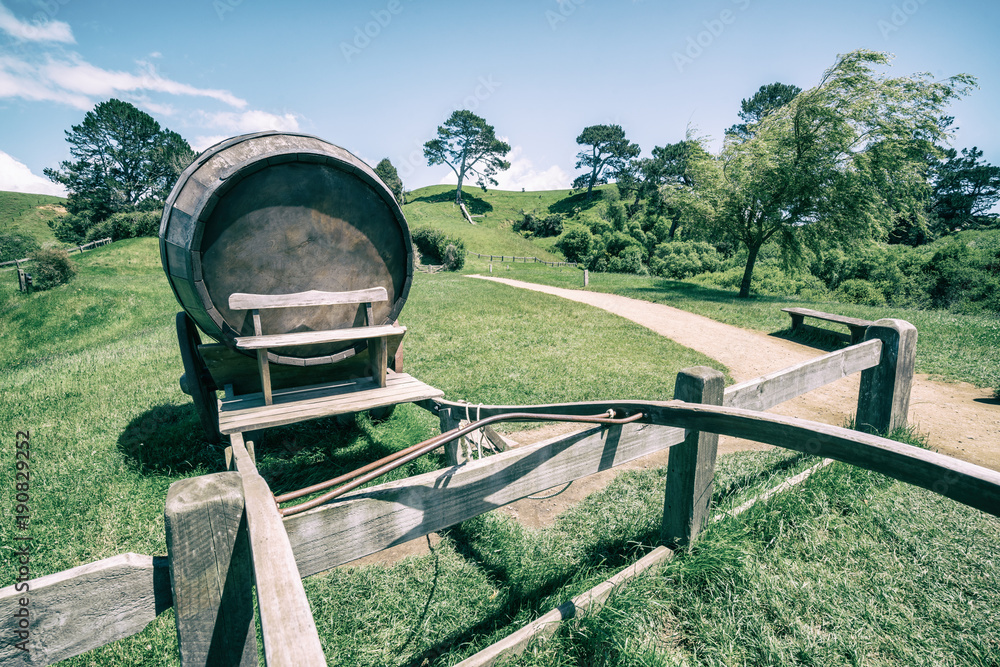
(241, 301)
(884, 396)
(691, 464)
(379, 355)
(317, 337)
(775, 388)
(83, 608)
(246, 413)
(210, 570)
(830, 317)
(963, 482)
(371, 520)
(286, 621)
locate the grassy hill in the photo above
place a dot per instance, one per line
(30, 214)
(434, 206)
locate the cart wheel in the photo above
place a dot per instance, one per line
(196, 381)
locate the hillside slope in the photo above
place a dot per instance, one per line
(493, 233)
(30, 214)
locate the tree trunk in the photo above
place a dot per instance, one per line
(673, 228)
(590, 185)
(752, 251)
(461, 177)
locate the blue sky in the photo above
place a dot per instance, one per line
(378, 76)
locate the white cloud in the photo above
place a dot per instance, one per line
(243, 122)
(253, 120)
(41, 30)
(17, 177)
(522, 174)
(72, 81)
(79, 76)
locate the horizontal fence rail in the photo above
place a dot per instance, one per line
(514, 259)
(86, 246)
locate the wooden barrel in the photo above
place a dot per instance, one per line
(278, 213)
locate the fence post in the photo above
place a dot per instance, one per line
(452, 450)
(210, 570)
(691, 464)
(884, 397)
(586, 277)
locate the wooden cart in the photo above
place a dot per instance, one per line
(296, 260)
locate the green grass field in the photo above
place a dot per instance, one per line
(91, 369)
(434, 206)
(30, 214)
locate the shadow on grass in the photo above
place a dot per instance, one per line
(474, 204)
(575, 203)
(167, 440)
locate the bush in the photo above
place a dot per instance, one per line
(768, 279)
(576, 244)
(683, 259)
(454, 257)
(130, 225)
(51, 267)
(550, 225)
(17, 246)
(434, 244)
(860, 292)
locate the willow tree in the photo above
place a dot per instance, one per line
(835, 163)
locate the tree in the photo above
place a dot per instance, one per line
(122, 161)
(390, 177)
(767, 99)
(824, 167)
(680, 182)
(609, 153)
(965, 190)
(468, 144)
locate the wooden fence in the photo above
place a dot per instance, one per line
(524, 260)
(224, 531)
(86, 246)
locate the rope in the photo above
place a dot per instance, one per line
(568, 484)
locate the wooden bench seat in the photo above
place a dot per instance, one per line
(857, 325)
(249, 412)
(376, 336)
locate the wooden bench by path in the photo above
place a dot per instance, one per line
(857, 325)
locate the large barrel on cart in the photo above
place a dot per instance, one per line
(274, 214)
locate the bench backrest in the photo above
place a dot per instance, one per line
(241, 301)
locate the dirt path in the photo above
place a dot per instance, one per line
(960, 420)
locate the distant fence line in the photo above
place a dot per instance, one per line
(523, 260)
(81, 248)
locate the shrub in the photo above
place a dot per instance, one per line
(550, 225)
(860, 292)
(17, 246)
(576, 244)
(52, 267)
(129, 225)
(454, 258)
(683, 259)
(434, 244)
(768, 279)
